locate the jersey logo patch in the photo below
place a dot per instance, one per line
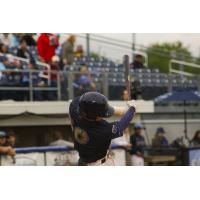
(81, 136)
(114, 129)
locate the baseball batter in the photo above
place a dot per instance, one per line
(92, 133)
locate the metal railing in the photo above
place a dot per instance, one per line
(111, 84)
(183, 63)
(5, 84)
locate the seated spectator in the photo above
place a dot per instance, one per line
(195, 142)
(5, 149)
(178, 142)
(138, 62)
(28, 37)
(125, 95)
(3, 80)
(67, 50)
(2, 67)
(5, 39)
(59, 141)
(10, 138)
(160, 140)
(4, 48)
(79, 51)
(46, 46)
(14, 39)
(13, 78)
(50, 78)
(138, 143)
(10, 39)
(83, 82)
(23, 52)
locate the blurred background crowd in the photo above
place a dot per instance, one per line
(50, 66)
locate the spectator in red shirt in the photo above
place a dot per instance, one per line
(46, 45)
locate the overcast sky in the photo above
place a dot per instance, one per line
(190, 40)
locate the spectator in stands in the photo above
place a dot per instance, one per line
(28, 37)
(4, 49)
(2, 67)
(10, 39)
(83, 82)
(195, 142)
(23, 52)
(13, 78)
(2, 79)
(14, 40)
(79, 51)
(4, 149)
(67, 51)
(138, 62)
(59, 141)
(10, 138)
(5, 39)
(54, 68)
(138, 143)
(160, 140)
(125, 95)
(46, 45)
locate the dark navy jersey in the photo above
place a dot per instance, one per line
(138, 143)
(92, 139)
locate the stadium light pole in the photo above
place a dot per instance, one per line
(88, 43)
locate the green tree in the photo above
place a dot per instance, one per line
(159, 54)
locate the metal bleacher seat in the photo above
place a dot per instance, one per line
(146, 75)
(112, 81)
(120, 75)
(156, 82)
(121, 69)
(137, 70)
(155, 70)
(112, 75)
(147, 82)
(191, 84)
(146, 70)
(164, 82)
(136, 76)
(155, 75)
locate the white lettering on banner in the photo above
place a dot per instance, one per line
(59, 158)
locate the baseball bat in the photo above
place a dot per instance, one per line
(127, 75)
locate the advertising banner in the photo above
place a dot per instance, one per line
(58, 156)
(27, 159)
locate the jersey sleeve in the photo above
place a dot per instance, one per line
(117, 128)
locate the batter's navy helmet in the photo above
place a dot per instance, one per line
(94, 104)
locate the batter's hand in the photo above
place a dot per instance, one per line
(132, 103)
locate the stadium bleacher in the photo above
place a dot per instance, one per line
(152, 82)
